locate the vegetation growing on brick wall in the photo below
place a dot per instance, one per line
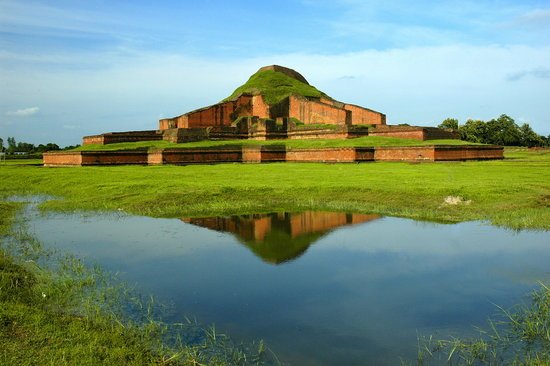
(275, 86)
(317, 126)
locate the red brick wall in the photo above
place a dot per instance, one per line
(404, 153)
(155, 158)
(182, 121)
(114, 157)
(62, 158)
(272, 153)
(93, 140)
(364, 154)
(316, 134)
(202, 156)
(364, 116)
(259, 107)
(167, 123)
(223, 114)
(412, 134)
(309, 111)
(252, 154)
(211, 116)
(129, 136)
(176, 122)
(322, 155)
(443, 153)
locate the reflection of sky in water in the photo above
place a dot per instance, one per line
(359, 294)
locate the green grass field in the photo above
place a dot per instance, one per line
(514, 192)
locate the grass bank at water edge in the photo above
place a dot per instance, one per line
(56, 311)
(514, 192)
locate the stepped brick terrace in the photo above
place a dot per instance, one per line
(276, 103)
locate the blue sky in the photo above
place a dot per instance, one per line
(73, 68)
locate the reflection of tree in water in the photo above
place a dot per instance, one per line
(280, 237)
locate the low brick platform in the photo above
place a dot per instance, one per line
(116, 137)
(273, 153)
(414, 132)
(81, 158)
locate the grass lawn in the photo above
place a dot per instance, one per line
(514, 192)
(295, 144)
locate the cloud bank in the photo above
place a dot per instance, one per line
(25, 112)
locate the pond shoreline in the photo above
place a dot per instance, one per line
(54, 309)
(155, 252)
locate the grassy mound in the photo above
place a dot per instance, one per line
(275, 86)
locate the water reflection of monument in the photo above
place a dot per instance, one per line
(280, 237)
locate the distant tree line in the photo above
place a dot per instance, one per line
(12, 147)
(501, 131)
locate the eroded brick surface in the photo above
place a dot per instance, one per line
(265, 154)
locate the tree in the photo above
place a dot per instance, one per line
(449, 123)
(473, 131)
(48, 147)
(24, 147)
(503, 131)
(11, 144)
(1, 144)
(528, 137)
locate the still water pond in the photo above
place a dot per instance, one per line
(320, 288)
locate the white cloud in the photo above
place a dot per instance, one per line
(25, 112)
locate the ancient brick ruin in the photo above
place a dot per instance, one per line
(294, 114)
(272, 154)
(249, 116)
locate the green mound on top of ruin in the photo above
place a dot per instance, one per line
(275, 83)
